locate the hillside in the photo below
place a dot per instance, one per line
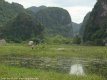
(96, 27)
(55, 20)
(83, 25)
(8, 11)
(17, 25)
(23, 27)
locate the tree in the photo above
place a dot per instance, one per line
(77, 40)
(22, 28)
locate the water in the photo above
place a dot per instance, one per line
(77, 69)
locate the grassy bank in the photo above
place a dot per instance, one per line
(15, 72)
(53, 51)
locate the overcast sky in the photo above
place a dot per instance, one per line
(77, 8)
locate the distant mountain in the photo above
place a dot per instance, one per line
(55, 20)
(83, 25)
(96, 27)
(76, 28)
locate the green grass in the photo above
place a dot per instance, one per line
(15, 72)
(53, 51)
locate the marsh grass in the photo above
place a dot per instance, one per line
(45, 50)
(50, 51)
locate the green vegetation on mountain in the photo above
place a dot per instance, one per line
(16, 23)
(83, 25)
(21, 28)
(36, 9)
(96, 27)
(8, 11)
(56, 20)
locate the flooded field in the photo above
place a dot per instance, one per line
(72, 66)
(70, 60)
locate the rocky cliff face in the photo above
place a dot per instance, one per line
(83, 25)
(56, 21)
(96, 27)
(100, 11)
(54, 15)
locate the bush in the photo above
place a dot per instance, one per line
(58, 39)
(76, 40)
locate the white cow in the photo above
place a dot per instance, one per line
(31, 43)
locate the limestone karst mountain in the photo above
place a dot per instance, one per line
(83, 25)
(57, 21)
(96, 27)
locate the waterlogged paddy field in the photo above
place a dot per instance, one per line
(18, 61)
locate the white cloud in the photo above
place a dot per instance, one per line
(77, 8)
(29, 3)
(69, 3)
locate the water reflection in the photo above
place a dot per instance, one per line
(77, 69)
